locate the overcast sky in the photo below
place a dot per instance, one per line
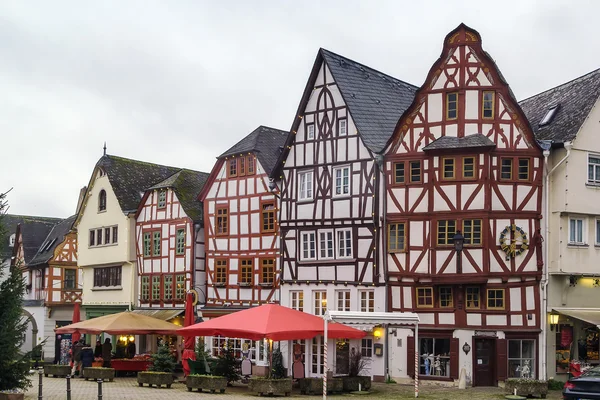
(179, 82)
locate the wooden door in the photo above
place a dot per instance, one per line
(484, 362)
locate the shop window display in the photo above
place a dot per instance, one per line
(434, 357)
(591, 341)
(521, 358)
(564, 341)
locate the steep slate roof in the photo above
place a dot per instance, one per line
(476, 140)
(576, 99)
(187, 185)
(129, 178)
(34, 231)
(54, 238)
(265, 142)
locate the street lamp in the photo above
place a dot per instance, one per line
(553, 321)
(459, 241)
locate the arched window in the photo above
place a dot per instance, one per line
(102, 200)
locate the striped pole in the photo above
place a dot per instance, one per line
(416, 360)
(325, 369)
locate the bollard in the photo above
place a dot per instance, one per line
(40, 396)
(99, 389)
(68, 387)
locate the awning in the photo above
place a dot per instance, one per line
(590, 315)
(371, 319)
(165, 315)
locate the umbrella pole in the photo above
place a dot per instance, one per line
(325, 369)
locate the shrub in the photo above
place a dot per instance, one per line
(162, 361)
(357, 363)
(277, 370)
(227, 365)
(554, 384)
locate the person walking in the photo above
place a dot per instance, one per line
(87, 358)
(106, 353)
(77, 358)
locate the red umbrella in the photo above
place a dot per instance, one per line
(189, 341)
(76, 318)
(270, 321)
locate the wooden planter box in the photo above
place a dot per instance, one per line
(351, 383)
(206, 382)
(106, 374)
(526, 387)
(155, 379)
(57, 371)
(264, 386)
(12, 396)
(315, 385)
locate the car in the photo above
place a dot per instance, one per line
(584, 387)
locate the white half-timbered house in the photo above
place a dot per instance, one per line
(331, 204)
(463, 160)
(242, 232)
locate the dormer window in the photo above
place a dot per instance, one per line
(102, 201)
(162, 198)
(549, 115)
(11, 240)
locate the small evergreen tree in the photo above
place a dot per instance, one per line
(227, 365)
(162, 361)
(204, 356)
(277, 370)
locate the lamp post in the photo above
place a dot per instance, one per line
(459, 241)
(553, 321)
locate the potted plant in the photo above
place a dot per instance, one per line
(276, 382)
(526, 387)
(206, 382)
(161, 371)
(227, 365)
(354, 381)
(95, 373)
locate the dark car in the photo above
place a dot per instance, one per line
(584, 387)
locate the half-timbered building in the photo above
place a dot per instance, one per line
(463, 162)
(331, 203)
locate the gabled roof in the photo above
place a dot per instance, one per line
(55, 237)
(575, 100)
(130, 178)
(34, 231)
(265, 142)
(474, 141)
(186, 184)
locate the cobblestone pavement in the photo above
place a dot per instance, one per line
(127, 388)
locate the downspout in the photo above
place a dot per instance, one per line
(568, 146)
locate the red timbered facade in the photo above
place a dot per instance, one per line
(463, 160)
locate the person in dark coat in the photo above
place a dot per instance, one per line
(87, 358)
(106, 353)
(98, 349)
(76, 354)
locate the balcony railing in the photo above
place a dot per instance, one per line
(71, 296)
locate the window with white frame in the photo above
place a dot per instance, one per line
(309, 251)
(576, 231)
(342, 127)
(320, 297)
(310, 131)
(325, 245)
(597, 232)
(344, 242)
(366, 348)
(297, 300)
(521, 358)
(343, 300)
(367, 301)
(305, 185)
(342, 181)
(594, 169)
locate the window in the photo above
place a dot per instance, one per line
(598, 232)
(320, 302)
(438, 349)
(92, 238)
(147, 244)
(107, 276)
(242, 166)
(594, 169)
(506, 168)
(343, 300)
(549, 115)
(308, 246)
(472, 295)
(396, 237)
(11, 240)
(318, 356)
(222, 220)
(448, 168)
(344, 239)
(445, 293)
(415, 171)
(297, 300)
(310, 131)
(425, 297)
(342, 127)
(179, 287)
(267, 270)
(106, 235)
(220, 272)
(156, 288)
(495, 299)
(70, 282)
(468, 167)
(145, 289)
(115, 234)
(576, 231)
(250, 165)
(305, 186)
(487, 106)
(472, 231)
(162, 198)
(98, 237)
(180, 245)
(342, 181)
(521, 358)
(399, 172)
(325, 245)
(446, 232)
(451, 105)
(367, 301)
(246, 272)
(268, 217)
(523, 169)
(102, 200)
(366, 348)
(168, 287)
(156, 243)
(232, 167)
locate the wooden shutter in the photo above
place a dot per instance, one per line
(502, 361)
(454, 358)
(410, 356)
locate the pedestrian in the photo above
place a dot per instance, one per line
(77, 357)
(87, 358)
(106, 353)
(98, 349)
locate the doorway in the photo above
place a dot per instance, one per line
(342, 356)
(484, 361)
